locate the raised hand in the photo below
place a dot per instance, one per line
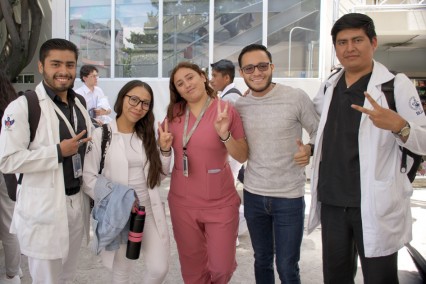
(70, 146)
(222, 122)
(383, 118)
(303, 154)
(165, 138)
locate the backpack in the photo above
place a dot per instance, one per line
(34, 113)
(388, 90)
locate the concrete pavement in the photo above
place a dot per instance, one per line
(90, 269)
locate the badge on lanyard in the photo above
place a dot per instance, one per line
(185, 164)
(76, 165)
(185, 137)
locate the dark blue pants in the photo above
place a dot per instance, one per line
(275, 224)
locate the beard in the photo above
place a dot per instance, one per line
(259, 89)
(56, 86)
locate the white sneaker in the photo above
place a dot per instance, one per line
(14, 280)
(238, 242)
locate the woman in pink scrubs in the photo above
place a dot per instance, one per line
(203, 201)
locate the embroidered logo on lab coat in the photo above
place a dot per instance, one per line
(416, 105)
(9, 122)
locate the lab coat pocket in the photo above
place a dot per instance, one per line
(41, 200)
(385, 198)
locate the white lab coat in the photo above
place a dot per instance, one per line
(385, 191)
(40, 217)
(116, 169)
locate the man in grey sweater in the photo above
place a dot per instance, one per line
(273, 117)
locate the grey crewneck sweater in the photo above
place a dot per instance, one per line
(272, 123)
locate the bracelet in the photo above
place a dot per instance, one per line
(167, 151)
(227, 138)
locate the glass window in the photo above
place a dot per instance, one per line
(185, 35)
(293, 37)
(89, 29)
(237, 24)
(136, 50)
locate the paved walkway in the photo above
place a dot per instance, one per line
(90, 269)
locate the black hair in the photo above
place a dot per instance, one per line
(56, 44)
(225, 67)
(85, 71)
(144, 129)
(253, 47)
(354, 21)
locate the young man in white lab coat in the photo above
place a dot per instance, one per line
(51, 212)
(359, 194)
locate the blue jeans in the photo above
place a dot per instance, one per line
(279, 221)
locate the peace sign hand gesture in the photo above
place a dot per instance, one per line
(222, 122)
(165, 138)
(383, 118)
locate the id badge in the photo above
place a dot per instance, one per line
(185, 165)
(76, 165)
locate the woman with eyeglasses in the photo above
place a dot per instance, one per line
(133, 159)
(202, 130)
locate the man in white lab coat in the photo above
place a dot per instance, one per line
(51, 213)
(358, 192)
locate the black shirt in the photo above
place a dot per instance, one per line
(339, 172)
(72, 185)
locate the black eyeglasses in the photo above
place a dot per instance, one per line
(135, 101)
(262, 66)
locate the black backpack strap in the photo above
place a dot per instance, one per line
(233, 90)
(106, 138)
(81, 99)
(388, 90)
(34, 112)
(334, 72)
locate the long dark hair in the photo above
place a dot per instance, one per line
(176, 98)
(144, 129)
(7, 92)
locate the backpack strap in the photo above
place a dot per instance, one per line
(34, 112)
(106, 139)
(334, 72)
(233, 90)
(81, 99)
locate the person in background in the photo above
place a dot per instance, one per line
(12, 252)
(134, 159)
(222, 81)
(51, 213)
(274, 181)
(203, 201)
(97, 103)
(359, 194)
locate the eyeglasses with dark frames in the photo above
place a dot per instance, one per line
(135, 101)
(262, 67)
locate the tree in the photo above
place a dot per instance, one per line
(22, 19)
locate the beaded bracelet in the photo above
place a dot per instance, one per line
(227, 138)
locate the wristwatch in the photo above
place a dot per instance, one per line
(405, 131)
